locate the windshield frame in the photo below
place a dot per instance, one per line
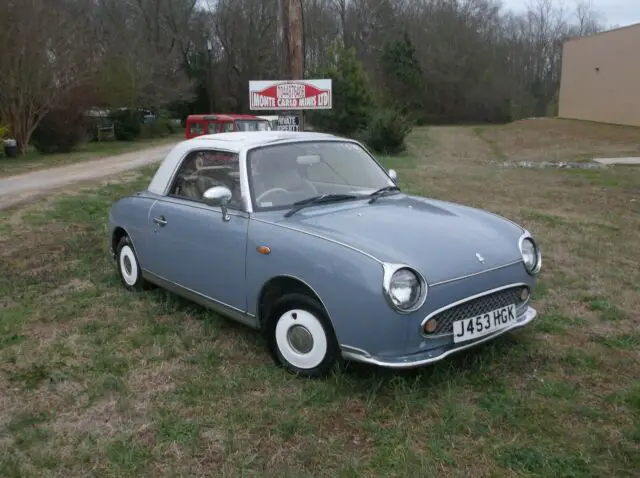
(254, 205)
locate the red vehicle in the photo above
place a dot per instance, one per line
(198, 125)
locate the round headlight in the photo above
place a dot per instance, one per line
(405, 289)
(530, 255)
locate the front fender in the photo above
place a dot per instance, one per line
(348, 282)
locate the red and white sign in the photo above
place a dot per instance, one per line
(290, 95)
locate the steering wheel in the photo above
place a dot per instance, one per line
(269, 191)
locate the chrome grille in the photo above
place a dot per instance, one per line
(474, 307)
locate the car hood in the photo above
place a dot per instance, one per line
(439, 239)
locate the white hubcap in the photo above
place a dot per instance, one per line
(301, 339)
(128, 265)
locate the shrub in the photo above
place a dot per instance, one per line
(158, 128)
(387, 131)
(126, 125)
(60, 130)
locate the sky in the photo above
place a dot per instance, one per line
(613, 12)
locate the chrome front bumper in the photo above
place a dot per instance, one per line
(430, 356)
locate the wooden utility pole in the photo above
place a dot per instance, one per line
(296, 32)
(290, 32)
(283, 40)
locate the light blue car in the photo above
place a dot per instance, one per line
(307, 238)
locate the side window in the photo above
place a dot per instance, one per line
(195, 129)
(202, 170)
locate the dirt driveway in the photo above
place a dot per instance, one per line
(23, 187)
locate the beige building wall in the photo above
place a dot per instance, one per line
(601, 77)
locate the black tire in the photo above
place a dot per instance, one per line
(128, 265)
(311, 350)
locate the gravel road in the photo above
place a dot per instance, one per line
(24, 187)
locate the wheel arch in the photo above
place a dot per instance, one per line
(116, 236)
(276, 287)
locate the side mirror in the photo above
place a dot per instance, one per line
(218, 196)
(393, 175)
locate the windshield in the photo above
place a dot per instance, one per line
(252, 125)
(283, 174)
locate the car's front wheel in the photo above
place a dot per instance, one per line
(300, 336)
(128, 265)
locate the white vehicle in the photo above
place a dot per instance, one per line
(272, 119)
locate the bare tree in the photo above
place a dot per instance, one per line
(478, 60)
(589, 20)
(47, 50)
(142, 46)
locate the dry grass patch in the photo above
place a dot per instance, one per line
(95, 378)
(548, 139)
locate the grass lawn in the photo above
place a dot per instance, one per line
(98, 381)
(91, 150)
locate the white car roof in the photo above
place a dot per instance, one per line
(235, 142)
(240, 140)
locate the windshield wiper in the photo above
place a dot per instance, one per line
(321, 199)
(375, 195)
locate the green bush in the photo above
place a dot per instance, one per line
(158, 128)
(387, 131)
(126, 125)
(60, 131)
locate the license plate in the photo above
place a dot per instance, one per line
(484, 324)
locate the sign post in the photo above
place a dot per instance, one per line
(291, 96)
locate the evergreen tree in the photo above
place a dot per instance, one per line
(403, 76)
(352, 94)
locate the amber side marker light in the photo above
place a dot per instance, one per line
(264, 250)
(431, 326)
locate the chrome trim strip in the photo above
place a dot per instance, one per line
(149, 211)
(388, 270)
(447, 281)
(199, 205)
(462, 301)
(522, 229)
(328, 239)
(227, 310)
(359, 355)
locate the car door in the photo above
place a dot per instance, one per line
(193, 245)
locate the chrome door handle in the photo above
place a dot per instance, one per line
(160, 220)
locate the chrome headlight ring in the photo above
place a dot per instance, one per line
(530, 252)
(397, 288)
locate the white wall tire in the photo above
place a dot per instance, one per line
(128, 265)
(300, 336)
(301, 339)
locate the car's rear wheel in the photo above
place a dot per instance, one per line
(300, 336)
(128, 265)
